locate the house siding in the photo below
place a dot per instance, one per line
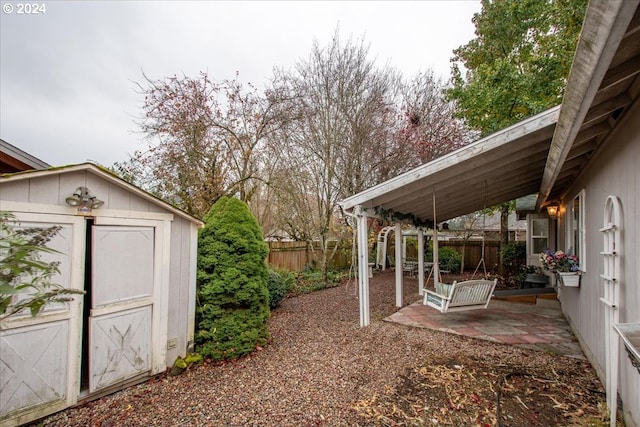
(613, 171)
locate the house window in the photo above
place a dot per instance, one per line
(539, 235)
(576, 228)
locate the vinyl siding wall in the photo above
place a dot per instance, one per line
(614, 170)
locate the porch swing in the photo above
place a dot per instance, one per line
(460, 296)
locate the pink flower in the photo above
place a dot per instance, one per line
(558, 261)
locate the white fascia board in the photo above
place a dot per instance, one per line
(494, 141)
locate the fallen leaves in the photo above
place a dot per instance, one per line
(477, 393)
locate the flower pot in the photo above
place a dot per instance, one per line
(570, 279)
(535, 280)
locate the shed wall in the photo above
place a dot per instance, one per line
(181, 294)
(55, 188)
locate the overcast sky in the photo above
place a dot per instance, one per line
(67, 77)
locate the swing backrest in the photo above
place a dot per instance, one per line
(466, 295)
(471, 292)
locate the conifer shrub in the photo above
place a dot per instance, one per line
(513, 256)
(280, 282)
(233, 300)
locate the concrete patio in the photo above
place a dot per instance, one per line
(539, 326)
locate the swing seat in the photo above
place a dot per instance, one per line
(467, 295)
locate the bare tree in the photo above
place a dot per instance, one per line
(427, 123)
(343, 140)
(205, 139)
(333, 126)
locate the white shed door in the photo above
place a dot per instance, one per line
(37, 363)
(120, 324)
(33, 370)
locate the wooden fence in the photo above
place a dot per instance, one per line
(295, 256)
(473, 253)
(288, 255)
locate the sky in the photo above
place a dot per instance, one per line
(68, 73)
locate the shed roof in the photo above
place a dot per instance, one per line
(543, 154)
(106, 175)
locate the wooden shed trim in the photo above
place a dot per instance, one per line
(106, 175)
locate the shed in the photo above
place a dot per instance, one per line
(135, 257)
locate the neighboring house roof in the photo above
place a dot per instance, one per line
(542, 154)
(526, 204)
(488, 222)
(13, 159)
(104, 174)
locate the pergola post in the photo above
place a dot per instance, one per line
(399, 261)
(363, 265)
(420, 261)
(436, 259)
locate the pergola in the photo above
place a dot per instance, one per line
(541, 155)
(501, 167)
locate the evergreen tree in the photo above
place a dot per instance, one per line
(516, 67)
(518, 64)
(233, 300)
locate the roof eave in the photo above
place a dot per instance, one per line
(604, 27)
(22, 156)
(491, 142)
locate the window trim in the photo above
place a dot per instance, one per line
(578, 228)
(532, 257)
(533, 237)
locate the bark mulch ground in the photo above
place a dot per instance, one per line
(321, 369)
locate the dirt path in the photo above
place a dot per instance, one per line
(321, 369)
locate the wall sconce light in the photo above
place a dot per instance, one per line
(84, 200)
(552, 211)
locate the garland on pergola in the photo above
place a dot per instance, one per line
(393, 216)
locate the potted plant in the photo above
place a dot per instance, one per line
(565, 266)
(534, 277)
